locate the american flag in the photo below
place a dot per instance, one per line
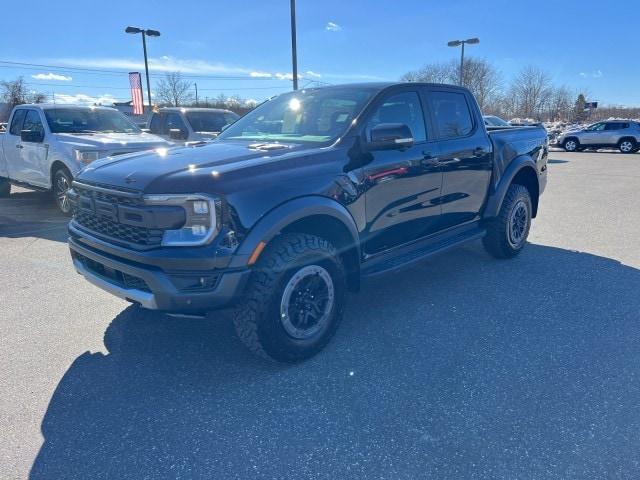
(136, 93)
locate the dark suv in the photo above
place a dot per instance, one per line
(298, 200)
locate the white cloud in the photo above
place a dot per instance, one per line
(84, 99)
(312, 74)
(51, 76)
(333, 27)
(260, 75)
(596, 74)
(164, 63)
(285, 76)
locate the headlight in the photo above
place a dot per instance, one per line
(201, 223)
(86, 157)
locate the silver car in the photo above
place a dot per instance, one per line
(621, 134)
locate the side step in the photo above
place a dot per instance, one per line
(406, 256)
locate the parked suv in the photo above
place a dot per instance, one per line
(289, 207)
(190, 124)
(621, 134)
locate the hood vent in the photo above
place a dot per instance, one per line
(267, 146)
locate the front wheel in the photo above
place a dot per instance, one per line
(295, 298)
(507, 233)
(627, 146)
(61, 184)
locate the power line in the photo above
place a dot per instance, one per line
(104, 87)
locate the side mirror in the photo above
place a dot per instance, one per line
(390, 136)
(33, 136)
(177, 134)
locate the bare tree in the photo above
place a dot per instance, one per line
(531, 90)
(172, 90)
(478, 75)
(560, 104)
(15, 92)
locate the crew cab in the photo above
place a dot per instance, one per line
(296, 202)
(45, 146)
(621, 134)
(190, 124)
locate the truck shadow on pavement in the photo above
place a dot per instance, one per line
(461, 367)
(28, 213)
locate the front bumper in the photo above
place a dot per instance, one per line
(154, 288)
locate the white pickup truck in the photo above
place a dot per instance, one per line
(190, 124)
(45, 146)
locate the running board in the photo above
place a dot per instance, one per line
(406, 256)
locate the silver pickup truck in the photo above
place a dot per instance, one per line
(45, 146)
(191, 124)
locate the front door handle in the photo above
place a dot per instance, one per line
(19, 146)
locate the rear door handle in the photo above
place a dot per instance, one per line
(19, 146)
(428, 160)
(479, 152)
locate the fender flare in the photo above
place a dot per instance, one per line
(272, 223)
(494, 202)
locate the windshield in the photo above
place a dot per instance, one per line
(307, 116)
(88, 120)
(210, 121)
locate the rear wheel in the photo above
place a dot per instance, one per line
(627, 145)
(295, 298)
(571, 145)
(5, 187)
(507, 233)
(61, 184)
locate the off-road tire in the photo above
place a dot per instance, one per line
(5, 188)
(257, 318)
(499, 239)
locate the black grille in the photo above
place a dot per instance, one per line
(108, 226)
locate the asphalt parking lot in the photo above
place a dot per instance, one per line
(463, 367)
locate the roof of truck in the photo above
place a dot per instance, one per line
(57, 106)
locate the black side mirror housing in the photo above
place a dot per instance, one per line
(33, 136)
(177, 134)
(390, 136)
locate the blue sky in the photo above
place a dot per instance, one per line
(586, 45)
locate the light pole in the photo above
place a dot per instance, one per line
(145, 33)
(457, 43)
(294, 49)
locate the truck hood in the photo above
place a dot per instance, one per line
(110, 142)
(165, 170)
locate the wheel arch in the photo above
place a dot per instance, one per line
(521, 171)
(314, 215)
(55, 166)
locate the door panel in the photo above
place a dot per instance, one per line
(33, 155)
(465, 156)
(12, 145)
(402, 186)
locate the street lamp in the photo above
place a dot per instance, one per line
(145, 33)
(457, 43)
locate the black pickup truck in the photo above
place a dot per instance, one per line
(292, 205)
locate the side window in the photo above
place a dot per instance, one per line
(16, 123)
(32, 122)
(175, 121)
(401, 108)
(612, 126)
(155, 125)
(452, 115)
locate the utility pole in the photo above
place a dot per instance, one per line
(294, 49)
(196, 85)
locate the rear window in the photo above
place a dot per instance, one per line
(452, 115)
